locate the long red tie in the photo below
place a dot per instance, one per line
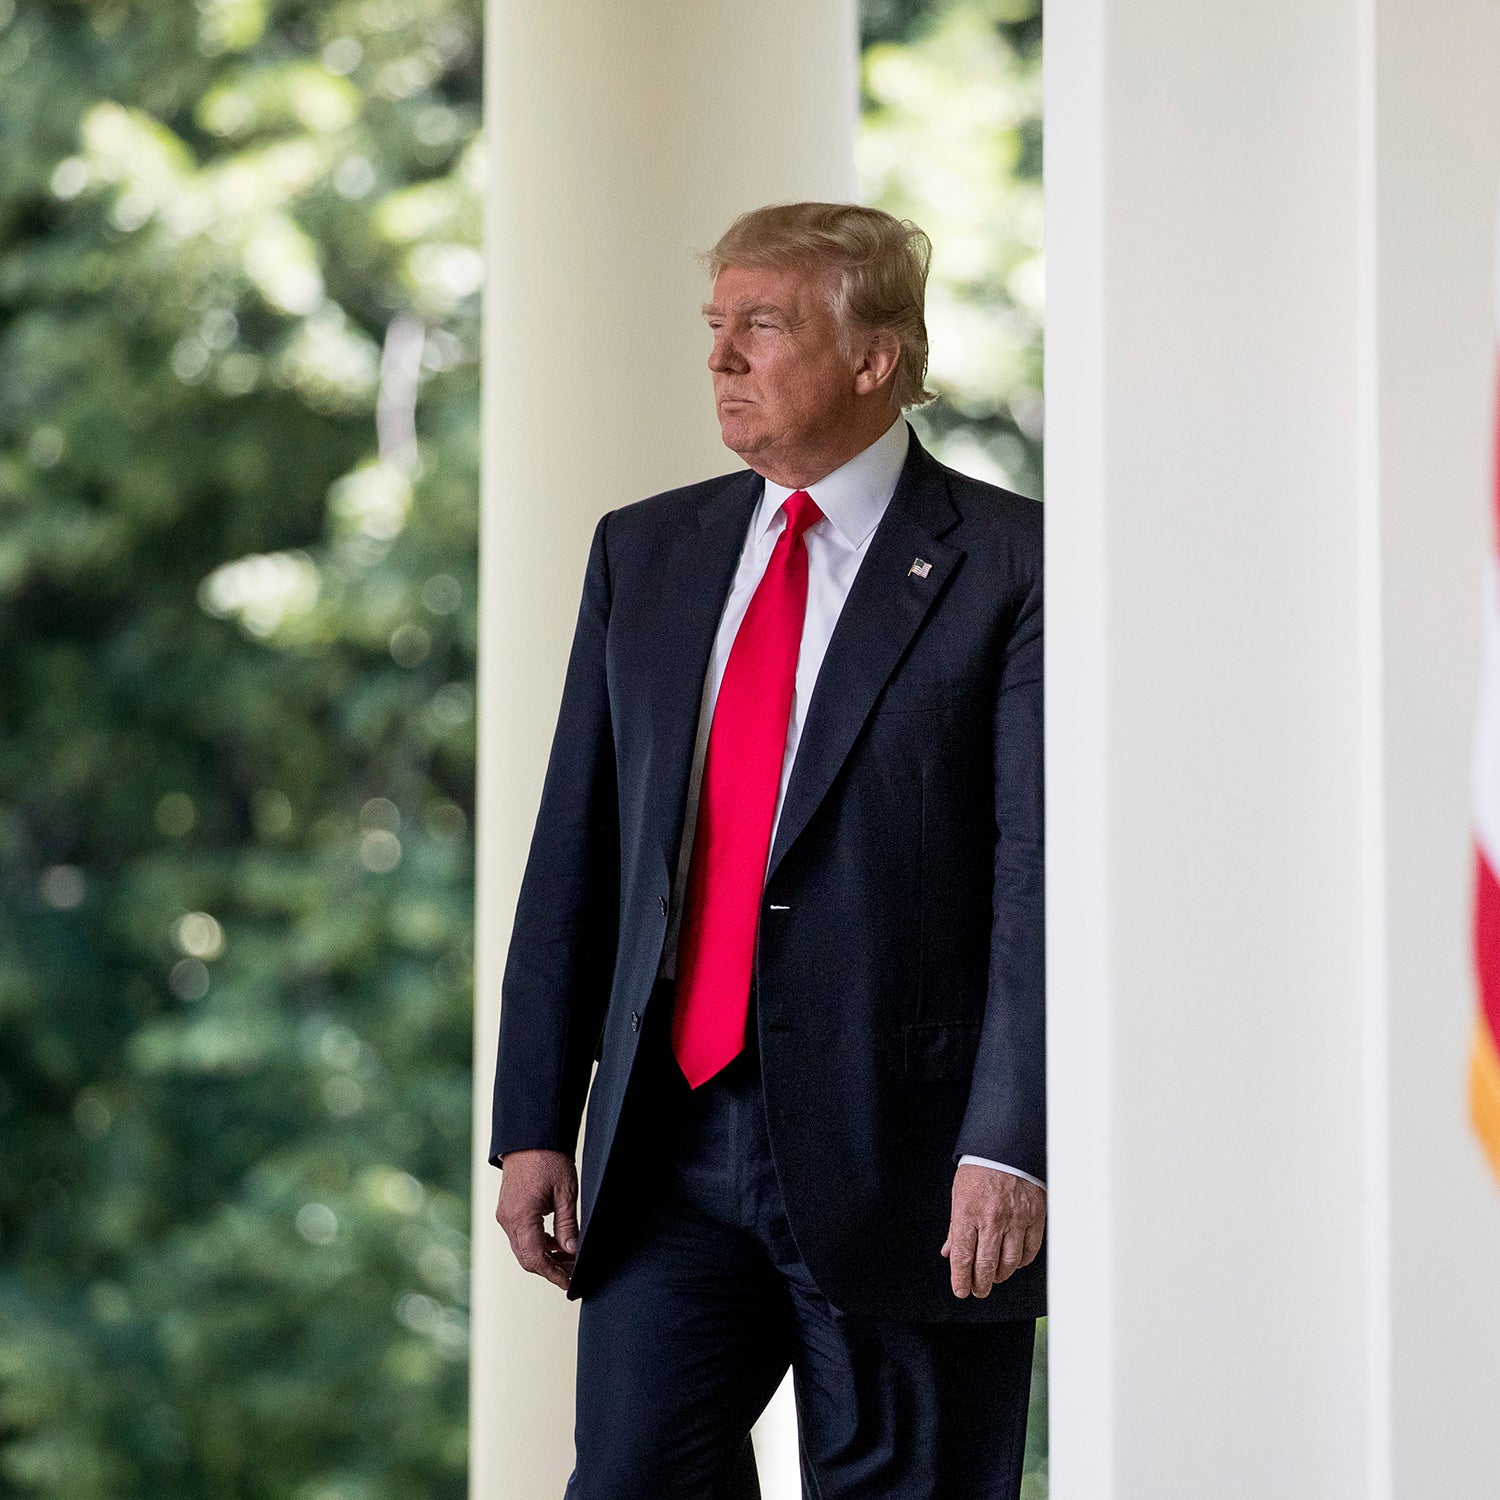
(736, 804)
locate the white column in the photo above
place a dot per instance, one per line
(1437, 163)
(621, 138)
(1270, 234)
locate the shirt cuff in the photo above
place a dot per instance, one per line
(999, 1166)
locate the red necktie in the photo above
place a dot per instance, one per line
(736, 803)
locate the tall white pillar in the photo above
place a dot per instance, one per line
(621, 138)
(1273, 1247)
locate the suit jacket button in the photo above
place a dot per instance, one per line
(635, 1020)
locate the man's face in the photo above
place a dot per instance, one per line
(781, 387)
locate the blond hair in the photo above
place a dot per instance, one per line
(880, 272)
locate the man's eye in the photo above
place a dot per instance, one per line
(761, 323)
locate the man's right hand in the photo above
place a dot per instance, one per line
(534, 1184)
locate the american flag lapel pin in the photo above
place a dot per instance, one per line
(920, 566)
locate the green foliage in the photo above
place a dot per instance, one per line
(237, 580)
(1034, 1482)
(952, 138)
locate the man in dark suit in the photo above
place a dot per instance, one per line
(786, 890)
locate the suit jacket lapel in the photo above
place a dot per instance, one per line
(695, 582)
(885, 606)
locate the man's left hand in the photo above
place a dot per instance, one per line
(996, 1228)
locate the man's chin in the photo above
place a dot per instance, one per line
(739, 437)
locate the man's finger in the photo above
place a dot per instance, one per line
(530, 1246)
(1010, 1254)
(986, 1258)
(1033, 1244)
(565, 1217)
(962, 1238)
(557, 1255)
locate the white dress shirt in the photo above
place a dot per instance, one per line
(852, 498)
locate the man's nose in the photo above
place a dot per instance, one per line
(724, 357)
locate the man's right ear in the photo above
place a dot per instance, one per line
(878, 366)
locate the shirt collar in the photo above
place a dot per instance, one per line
(854, 496)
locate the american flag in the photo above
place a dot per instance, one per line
(1484, 1055)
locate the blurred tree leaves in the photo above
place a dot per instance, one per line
(238, 242)
(952, 138)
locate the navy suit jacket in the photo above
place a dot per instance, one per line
(900, 993)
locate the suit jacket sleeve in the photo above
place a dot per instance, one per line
(558, 970)
(1007, 1109)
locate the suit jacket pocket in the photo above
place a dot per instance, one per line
(941, 1051)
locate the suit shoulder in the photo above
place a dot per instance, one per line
(668, 508)
(992, 502)
(1013, 521)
